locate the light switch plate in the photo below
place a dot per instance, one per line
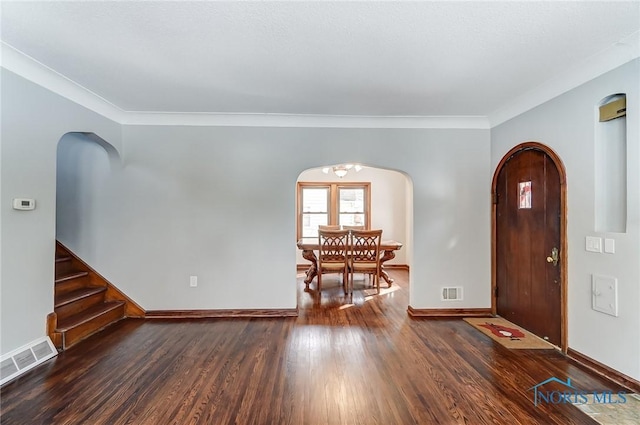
(610, 246)
(604, 294)
(593, 244)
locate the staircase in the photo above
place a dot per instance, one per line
(84, 302)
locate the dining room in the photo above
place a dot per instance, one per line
(353, 195)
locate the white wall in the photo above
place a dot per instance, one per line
(84, 205)
(390, 198)
(568, 125)
(33, 120)
(219, 203)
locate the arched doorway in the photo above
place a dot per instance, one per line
(389, 205)
(529, 248)
(84, 163)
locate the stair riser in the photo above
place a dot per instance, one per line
(63, 267)
(77, 334)
(71, 285)
(79, 305)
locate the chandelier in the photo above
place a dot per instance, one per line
(341, 170)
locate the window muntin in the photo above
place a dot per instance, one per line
(320, 203)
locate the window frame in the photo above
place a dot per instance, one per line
(333, 212)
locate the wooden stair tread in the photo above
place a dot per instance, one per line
(87, 315)
(84, 301)
(70, 276)
(78, 294)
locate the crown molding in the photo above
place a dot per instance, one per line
(616, 55)
(40, 74)
(310, 121)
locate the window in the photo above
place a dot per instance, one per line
(346, 204)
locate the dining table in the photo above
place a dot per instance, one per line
(310, 245)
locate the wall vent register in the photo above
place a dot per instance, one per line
(25, 358)
(452, 293)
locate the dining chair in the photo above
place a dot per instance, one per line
(364, 255)
(354, 227)
(332, 255)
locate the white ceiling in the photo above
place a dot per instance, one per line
(436, 58)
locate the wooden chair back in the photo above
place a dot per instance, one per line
(333, 254)
(364, 254)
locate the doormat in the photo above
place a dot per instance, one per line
(508, 334)
(627, 413)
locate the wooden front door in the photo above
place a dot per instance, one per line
(528, 258)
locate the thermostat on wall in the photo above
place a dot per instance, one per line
(24, 204)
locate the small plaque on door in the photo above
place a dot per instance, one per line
(524, 195)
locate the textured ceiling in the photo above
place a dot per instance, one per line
(299, 57)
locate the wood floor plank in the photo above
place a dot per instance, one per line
(342, 361)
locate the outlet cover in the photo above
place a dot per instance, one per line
(193, 281)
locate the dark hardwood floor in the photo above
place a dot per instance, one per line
(337, 363)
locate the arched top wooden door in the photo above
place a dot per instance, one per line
(529, 240)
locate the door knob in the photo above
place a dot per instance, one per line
(554, 256)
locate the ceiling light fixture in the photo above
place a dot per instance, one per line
(341, 170)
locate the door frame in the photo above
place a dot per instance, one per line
(563, 232)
